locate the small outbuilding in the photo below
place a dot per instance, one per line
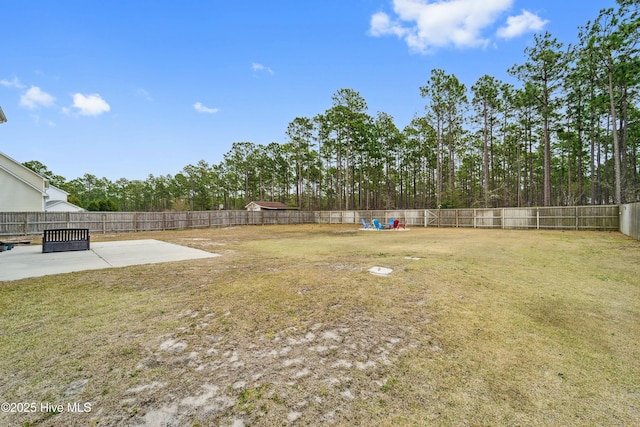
(269, 206)
(57, 201)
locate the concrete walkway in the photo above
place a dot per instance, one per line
(28, 261)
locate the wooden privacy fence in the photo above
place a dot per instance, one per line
(29, 223)
(630, 220)
(561, 218)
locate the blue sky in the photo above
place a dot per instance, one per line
(128, 88)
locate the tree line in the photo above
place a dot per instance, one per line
(568, 134)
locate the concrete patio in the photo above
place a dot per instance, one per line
(28, 261)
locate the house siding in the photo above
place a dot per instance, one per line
(15, 196)
(21, 189)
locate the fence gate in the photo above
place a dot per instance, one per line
(431, 218)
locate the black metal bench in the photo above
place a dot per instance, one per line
(65, 239)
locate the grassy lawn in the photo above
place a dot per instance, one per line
(472, 327)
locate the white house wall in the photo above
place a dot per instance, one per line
(16, 196)
(56, 194)
(22, 172)
(21, 189)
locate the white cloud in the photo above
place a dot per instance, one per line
(202, 109)
(11, 83)
(90, 105)
(428, 25)
(144, 94)
(381, 25)
(34, 97)
(518, 25)
(259, 67)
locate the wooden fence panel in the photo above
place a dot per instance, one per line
(266, 217)
(520, 218)
(380, 215)
(599, 217)
(219, 219)
(330, 217)
(413, 217)
(558, 217)
(174, 220)
(101, 222)
(40, 221)
(200, 219)
(630, 220)
(447, 218)
(466, 217)
(10, 224)
(148, 221)
(562, 217)
(235, 218)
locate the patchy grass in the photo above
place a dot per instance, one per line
(473, 327)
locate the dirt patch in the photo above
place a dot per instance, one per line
(309, 372)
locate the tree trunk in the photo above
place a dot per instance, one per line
(616, 143)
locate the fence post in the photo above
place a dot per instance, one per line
(537, 218)
(104, 223)
(502, 216)
(475, 218)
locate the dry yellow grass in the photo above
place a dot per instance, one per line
(473, 327)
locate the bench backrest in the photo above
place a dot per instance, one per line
(66, 235)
